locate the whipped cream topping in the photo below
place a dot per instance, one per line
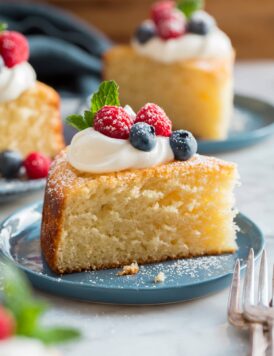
(90, 151)
(215, 44)
(14, 81)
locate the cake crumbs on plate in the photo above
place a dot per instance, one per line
(160, 278)
(129, 270)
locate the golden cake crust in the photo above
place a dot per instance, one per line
(32, 122)
(63, 180)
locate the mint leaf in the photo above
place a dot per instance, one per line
(77, 121)
(15, 291)
(28, 318)
(107, 94)
(55, 335)
(88, 117)
(3, 26)
(14, 286)
(18, 299)
(190, 6)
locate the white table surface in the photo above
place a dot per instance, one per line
(187, 329)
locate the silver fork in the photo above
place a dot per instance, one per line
(262, 312)
(236, 317)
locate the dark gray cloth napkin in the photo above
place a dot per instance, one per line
(65, 52)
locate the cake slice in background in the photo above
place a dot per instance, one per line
(30, 118)
(182, 61)
(131, 189)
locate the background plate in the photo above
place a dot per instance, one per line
(252, 121)
(185, 279)
(15, 188)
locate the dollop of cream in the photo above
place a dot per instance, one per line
(215, 44)
(90, 151)
(14, 81)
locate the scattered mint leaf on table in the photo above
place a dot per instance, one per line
(56, 335)
(28, 317)
(16, 294)
(107, 94)
(190, 6)
(3, 26)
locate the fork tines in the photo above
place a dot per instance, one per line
(253, 310)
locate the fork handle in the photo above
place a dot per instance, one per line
(257, 341)
(270, 350)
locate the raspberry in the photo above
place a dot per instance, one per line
(155, 116)
(36, 165)
(172, 26)
(161, 9)
(14, 48)
(113, 121)
(7, 324)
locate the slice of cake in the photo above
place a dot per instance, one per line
(174, 210)
(129, 189)
(30, 118)
(32, 122)
(184, 64)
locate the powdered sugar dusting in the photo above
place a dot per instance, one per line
(63, 176)
(176, 272)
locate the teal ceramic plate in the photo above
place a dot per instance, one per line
(16, 188)
(185, 279)
(252, 121)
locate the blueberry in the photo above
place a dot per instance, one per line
(200, 23)
(10, 163)
(183, 144)
(145, 32)
(142, 136)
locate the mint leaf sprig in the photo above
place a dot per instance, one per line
(80, 122)
(190, 6)
(3, 26)
(107, 94)
(15, 293)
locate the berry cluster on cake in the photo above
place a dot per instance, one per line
(180, 59)
(30, 122)
(128, 188)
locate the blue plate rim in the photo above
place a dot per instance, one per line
(243, 138)
(260, 132)
(21, 186)
(54, 280)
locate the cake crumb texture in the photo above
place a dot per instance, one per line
(32, 122)
(129, 270)
(175, 210)
(160, 278)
